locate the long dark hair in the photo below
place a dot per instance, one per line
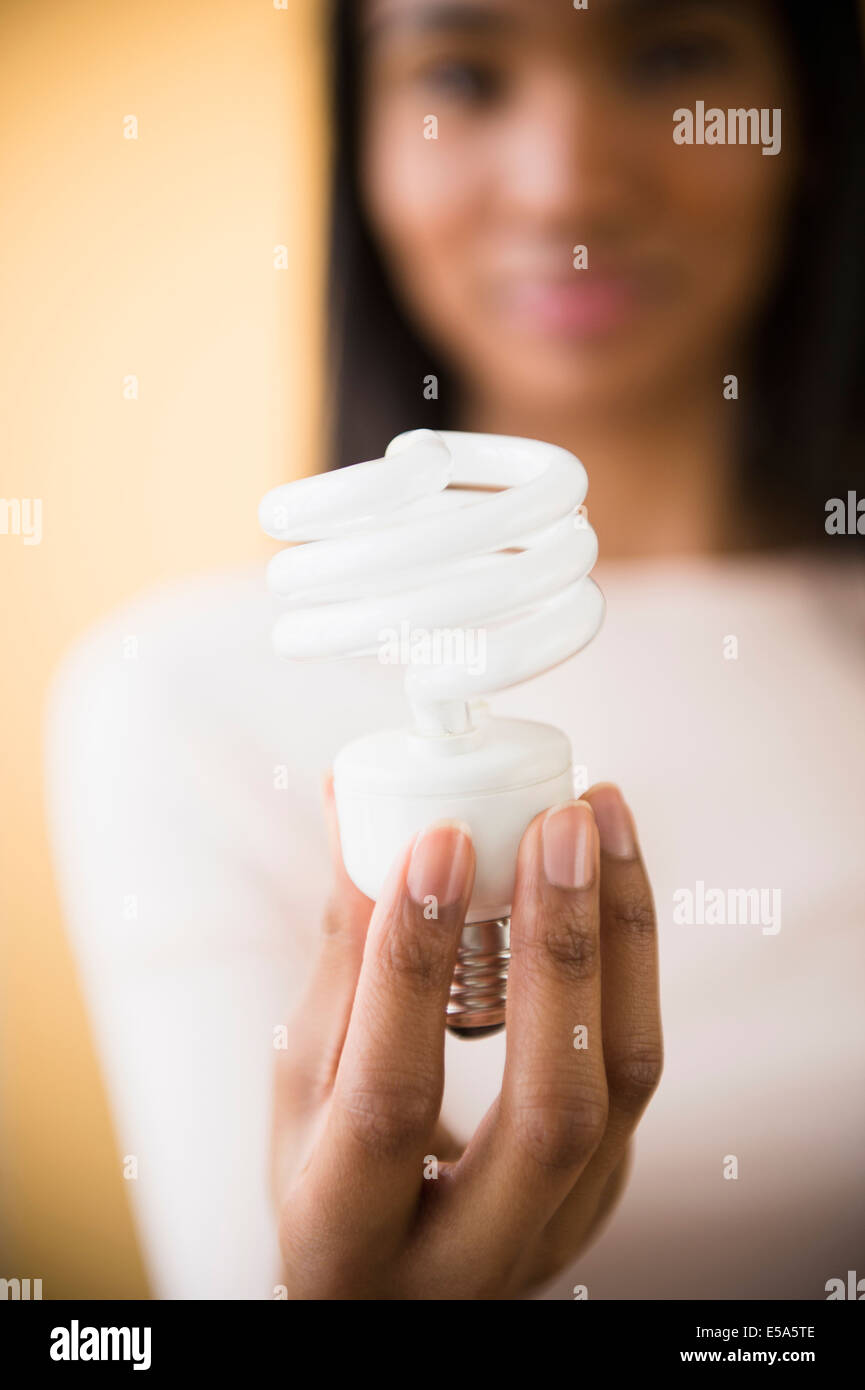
(804, 396)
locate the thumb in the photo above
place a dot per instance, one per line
(349, 908)
(317, 1031)
(305, 1070)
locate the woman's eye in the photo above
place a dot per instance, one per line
(461, 81)
(666, 60)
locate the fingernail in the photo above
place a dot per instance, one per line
(615, 823)
(569, 845)
(439, 863)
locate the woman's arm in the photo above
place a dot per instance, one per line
(189, 885)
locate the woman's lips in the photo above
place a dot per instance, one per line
(587, 306)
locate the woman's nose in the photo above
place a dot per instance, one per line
(567, 158)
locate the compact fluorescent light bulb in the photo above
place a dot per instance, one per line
(469, 556)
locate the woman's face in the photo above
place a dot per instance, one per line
(554, 129)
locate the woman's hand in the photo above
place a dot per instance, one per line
(359, 1087)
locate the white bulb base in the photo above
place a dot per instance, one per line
(496, 777)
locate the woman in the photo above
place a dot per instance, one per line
(521, 246)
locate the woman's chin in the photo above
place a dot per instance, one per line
(587, 383)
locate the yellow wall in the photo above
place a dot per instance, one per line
(151, 257)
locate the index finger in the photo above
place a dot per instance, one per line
(632, 1036)
(368, 1168)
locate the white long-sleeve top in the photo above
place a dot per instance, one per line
(183, 770)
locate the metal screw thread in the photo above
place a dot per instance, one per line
(476, 1007)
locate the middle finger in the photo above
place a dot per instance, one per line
(552, 1112)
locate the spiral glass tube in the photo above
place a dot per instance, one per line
(448, 530)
